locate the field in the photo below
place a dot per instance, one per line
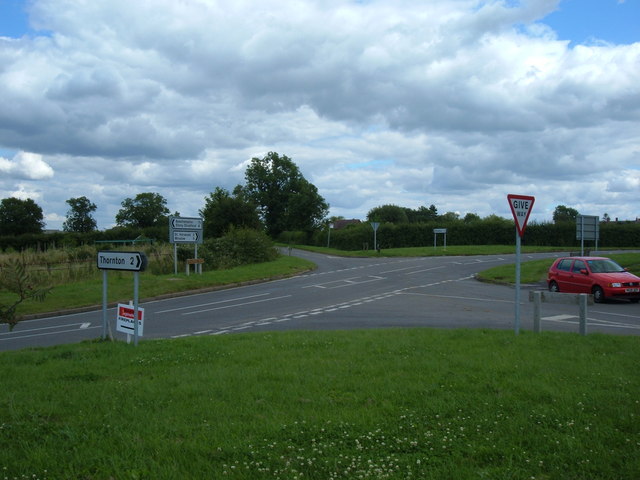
(383, 404)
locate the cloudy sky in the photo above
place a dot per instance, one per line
(455, 103)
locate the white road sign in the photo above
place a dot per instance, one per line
(130, 261)
(185, 223)
(521, 206)
(180, 236)
(185, 230)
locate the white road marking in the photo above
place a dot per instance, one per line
(210, 303)
(236, 305)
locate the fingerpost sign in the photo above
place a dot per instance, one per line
(521, 206)
(135, 262)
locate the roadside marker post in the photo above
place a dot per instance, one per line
(521, 206)
(124, 261)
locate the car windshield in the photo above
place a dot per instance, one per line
(604, 266)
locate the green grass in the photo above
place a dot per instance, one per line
(536, 270)
(89, 292)
(392, 404)
(452, 250)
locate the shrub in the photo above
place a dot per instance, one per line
(240, 246)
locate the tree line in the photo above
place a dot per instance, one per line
(276, 199)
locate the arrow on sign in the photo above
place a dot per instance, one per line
(521, 206)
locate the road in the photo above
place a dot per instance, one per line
(343, 293)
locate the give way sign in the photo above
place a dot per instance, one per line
(521, 206)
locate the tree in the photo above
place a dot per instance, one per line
(17, 280)
(285, 199)
(423, 214)
(471, 218)
(449, 217)
(564, 214)
(388, 214)
(18, 217)
(145, 210)
(79, 217)
(223, 210)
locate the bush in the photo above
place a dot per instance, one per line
(240, 246)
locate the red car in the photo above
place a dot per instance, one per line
(600, 276)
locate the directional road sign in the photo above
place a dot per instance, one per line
(185, 230)
(130, 261)
(182, 236)
(521, 206)
(185, 223)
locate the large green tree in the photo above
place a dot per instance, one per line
(285, 199)
(564, 214)
(79, 218)
(388, 214)
(18, 217)
(145, 210)
(222, 210)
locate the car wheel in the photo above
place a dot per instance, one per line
(598, 294)
(553, 287)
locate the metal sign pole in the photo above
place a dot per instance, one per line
(104, 304)
(582, 236)
(136, 285)
(175, 258)
(517, 320)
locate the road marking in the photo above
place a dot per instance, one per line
(559, 318)
(15, 332)
(424, 270)
(14, 337)
(210, 303)
(236, 305)
(85, 325)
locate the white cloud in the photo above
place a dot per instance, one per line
(455, 103)
(25, 165)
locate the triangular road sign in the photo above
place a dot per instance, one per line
(521, 206)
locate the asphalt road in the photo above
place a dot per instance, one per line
(343, 293)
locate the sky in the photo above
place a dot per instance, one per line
(452, 103)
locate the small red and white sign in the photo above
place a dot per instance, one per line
(125, 323)
(521, 206)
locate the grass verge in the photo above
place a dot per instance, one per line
(535, 271)
(89, 292)
(452, 250)
(392, 404)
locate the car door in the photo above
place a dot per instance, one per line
(563, 275)
(581, 282)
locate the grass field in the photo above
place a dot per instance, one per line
(382, 404)
(88, 292)
(535, 271)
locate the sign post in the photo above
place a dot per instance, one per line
(128, 261)
(436, 231)
(587, 228)
(521, 206)
(184, 230)
(375, 226)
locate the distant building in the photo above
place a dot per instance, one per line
(340, 224)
